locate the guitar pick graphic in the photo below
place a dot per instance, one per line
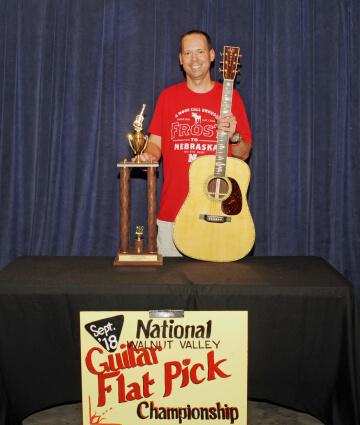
(107, 331)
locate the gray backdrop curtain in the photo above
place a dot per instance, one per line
(74, 73)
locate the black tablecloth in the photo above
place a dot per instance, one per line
(304, 341)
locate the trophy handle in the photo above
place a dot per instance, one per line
(137, 156)
(130, 140)
(146, 143)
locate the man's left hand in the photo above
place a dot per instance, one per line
(227, 123)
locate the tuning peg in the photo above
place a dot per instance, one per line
(221, 69)
(221, 54)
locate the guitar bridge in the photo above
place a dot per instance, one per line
(214, 218)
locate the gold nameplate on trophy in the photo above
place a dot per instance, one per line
(137, 254)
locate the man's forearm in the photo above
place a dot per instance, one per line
(153, 149)
(241, 150)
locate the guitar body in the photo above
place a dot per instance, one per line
(214, 223)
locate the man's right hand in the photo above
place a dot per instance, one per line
(148, 157)
(153, 150)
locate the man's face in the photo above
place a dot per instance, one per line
(195, 56)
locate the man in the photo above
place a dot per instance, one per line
(184, 126)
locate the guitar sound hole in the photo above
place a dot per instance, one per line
(218, 188)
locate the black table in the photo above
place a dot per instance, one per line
(304, 340)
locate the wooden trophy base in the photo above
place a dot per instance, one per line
(132, 258)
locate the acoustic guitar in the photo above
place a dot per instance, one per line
(215, 223)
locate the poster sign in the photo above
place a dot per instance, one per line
(140, 368)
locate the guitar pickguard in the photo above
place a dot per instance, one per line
(233, 204)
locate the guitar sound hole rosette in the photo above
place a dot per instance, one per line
(218, 188)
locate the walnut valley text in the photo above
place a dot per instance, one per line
(194, 344)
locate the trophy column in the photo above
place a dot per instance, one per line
(124, 210)
(151, 185)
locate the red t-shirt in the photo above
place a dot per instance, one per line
(186, 123)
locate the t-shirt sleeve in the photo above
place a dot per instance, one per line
(157, 118)
(243, 126)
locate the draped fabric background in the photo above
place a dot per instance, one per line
(74, 73)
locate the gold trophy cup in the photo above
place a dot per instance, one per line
(137, 254)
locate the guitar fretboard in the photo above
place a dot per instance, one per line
(223, 136)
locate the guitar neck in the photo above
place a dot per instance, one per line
(223, 136)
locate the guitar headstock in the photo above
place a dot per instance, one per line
(231, 60)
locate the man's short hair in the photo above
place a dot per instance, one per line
(206, 35)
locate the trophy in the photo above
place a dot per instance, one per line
(137, 254)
